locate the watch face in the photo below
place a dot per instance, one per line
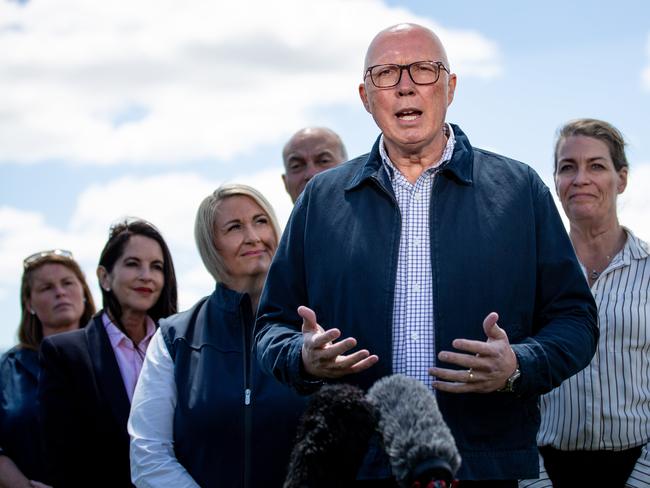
(510, 382)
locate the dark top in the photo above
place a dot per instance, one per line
(234, 425)
(84, 409)
(19, 434)
(497, 243)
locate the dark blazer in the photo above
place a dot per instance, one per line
(84, 409)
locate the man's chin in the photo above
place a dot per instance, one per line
(409, 143)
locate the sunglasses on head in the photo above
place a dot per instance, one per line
(37, 256)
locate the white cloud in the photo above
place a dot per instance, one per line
(100, 82)
(168, 200)
(19, 232)
(635, 201)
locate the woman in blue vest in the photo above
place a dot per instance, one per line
(203, 413)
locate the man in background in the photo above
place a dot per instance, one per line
(308, 152)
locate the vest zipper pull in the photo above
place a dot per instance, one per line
(247, 396)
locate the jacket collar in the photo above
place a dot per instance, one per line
(28, 359)
(228, 300)
(460, 166)
(223, 308)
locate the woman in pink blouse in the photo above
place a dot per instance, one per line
(88, 376)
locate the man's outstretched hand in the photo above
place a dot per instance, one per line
(486, 364)
(324, 358)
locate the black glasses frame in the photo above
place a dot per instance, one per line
(438, 64)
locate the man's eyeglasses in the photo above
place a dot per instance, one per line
(421, 72)
(37, 256)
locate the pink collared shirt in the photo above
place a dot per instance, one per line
(129, 356)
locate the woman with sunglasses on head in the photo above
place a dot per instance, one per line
(54, 297)
(88, 376)
(203, 413)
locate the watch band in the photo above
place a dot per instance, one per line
(509, 387)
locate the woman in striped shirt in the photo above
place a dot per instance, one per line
(596, 425)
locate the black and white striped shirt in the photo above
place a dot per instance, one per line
(606, 406)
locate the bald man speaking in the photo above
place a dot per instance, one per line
(435, 259)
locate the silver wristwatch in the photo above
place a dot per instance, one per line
(509, 387)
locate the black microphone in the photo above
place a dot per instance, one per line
(417, 440)
(332, 438)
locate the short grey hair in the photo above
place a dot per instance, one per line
(204, 224)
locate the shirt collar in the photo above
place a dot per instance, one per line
(634, 248)
(638, 248)
(447, 153)
(116, 336)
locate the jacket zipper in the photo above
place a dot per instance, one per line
(246, 336)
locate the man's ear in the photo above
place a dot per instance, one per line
(451, 88)
(364, 97)
(284, 180)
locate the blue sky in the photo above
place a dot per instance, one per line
(142, 108)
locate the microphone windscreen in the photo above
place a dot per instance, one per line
(416, 438)
(332, 438)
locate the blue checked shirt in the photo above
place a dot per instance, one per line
(413, 332)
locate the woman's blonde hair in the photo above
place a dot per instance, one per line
(205, 219)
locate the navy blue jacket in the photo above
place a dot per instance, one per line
(234, 425)
(20, 436)
(497, 244)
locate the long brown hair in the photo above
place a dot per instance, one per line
(30, 329)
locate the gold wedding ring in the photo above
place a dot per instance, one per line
(470, 375)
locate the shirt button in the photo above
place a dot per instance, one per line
(417, 242)
(416, 287)
(417, 197)
(415, 336)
